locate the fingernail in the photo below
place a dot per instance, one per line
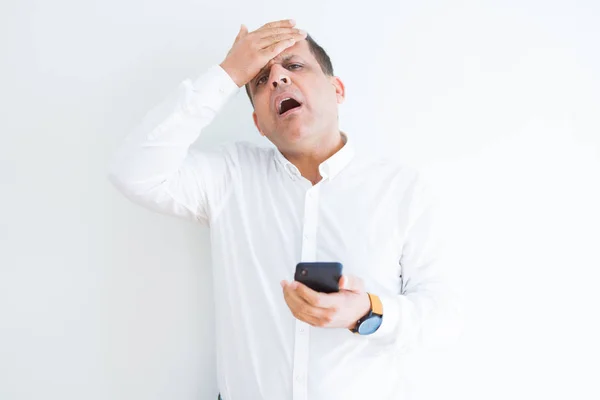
(302, 31)
(293, 22)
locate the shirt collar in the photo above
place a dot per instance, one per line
(328, 168)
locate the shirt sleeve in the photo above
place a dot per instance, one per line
(156, 168)
(426, 312)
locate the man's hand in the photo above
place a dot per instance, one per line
(252, 51)
(328, 310)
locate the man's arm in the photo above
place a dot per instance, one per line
(154, 166)
(427, 310)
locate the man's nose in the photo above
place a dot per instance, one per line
(280, 77)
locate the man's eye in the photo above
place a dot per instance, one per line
(260, 80)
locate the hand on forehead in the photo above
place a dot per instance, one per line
(282, 57)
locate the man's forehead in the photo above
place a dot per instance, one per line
(281, 58)
(297, 51)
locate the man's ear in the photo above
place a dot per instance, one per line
(255, 119)
(340, 89)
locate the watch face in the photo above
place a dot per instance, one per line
(370, 325)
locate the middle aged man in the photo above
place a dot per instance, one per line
(311, 197)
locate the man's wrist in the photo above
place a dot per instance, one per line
(233, 74)
(363, 309)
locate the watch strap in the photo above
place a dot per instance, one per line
(376, 305)
(376, 309)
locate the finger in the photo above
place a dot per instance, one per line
(279, 24)
(319, 317)
(307, 294)
(319, 322)
(262, 33)
(297, 304)
(315, 299)
(269, 40)
(276, 48)
(298, 294)
(302, 315)
(352, 283)
(303, 311)
(243, 32)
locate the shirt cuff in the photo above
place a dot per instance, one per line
(213, 88)
(391, 319)
(196, 103)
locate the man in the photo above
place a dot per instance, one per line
(311, 198)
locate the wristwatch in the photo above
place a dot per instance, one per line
(372, 320)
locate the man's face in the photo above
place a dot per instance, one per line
(313, 108)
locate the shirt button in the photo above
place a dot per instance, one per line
(305, 236)
(301, 330)
(299, 378)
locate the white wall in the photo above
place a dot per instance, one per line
(497, 101)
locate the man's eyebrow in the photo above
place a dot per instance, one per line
(284, 58)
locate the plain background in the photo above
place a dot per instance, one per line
(496, 101)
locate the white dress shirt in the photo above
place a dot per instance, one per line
(373, 216)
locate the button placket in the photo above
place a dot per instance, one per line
(309, 253)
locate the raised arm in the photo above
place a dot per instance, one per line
(154, 166)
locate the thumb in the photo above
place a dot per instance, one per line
(352, 283)
(243, 32)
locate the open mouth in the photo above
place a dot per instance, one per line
(287, 105)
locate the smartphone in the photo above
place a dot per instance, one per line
(320, 276)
